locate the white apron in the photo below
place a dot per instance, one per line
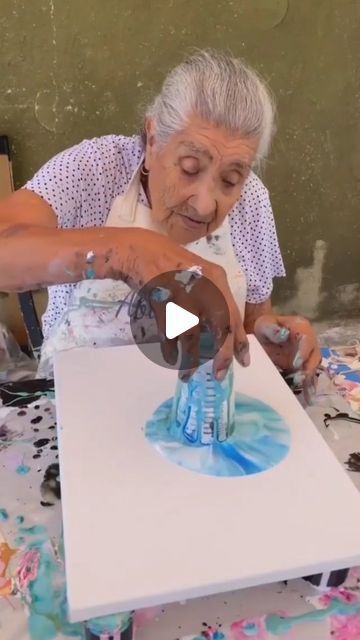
(99, 311)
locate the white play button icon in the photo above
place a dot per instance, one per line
(178, 320)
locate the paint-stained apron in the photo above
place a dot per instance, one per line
(100, 311)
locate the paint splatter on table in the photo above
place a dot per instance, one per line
(343, 366)
(32, 580)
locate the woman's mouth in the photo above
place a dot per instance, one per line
(191, 223)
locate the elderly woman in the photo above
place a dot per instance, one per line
(116, 211)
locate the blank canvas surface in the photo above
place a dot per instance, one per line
(141, 531)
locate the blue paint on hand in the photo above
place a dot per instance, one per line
(160, 294)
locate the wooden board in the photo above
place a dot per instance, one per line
(141, 531)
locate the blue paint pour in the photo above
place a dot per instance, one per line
(3, 515)
(259, 440)
(23, 470)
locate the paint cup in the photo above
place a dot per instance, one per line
(203, 411)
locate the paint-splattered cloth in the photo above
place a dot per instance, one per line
(343, 366)
(32, 579)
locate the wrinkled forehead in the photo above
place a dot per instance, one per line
(214, 145)
(236, 158)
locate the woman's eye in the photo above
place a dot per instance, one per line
(232, 180)
(190, 167)
(190, 171)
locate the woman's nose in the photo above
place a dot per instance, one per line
(204, 202)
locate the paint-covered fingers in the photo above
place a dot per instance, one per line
(311, 367)
(291, 343)
(169, 348)
(235, 344)
(288, 340)
(190, 353)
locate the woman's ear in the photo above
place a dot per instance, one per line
(150, 145)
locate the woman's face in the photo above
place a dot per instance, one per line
(196, 178)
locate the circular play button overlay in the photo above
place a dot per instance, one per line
(179, 319)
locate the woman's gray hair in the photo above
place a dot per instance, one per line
(221, 90)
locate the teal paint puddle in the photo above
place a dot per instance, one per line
(22, 470)
(4, 516)
(46, 592)
(279, 626)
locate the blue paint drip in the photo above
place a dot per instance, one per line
(4, 516)
(19, 519)
(36, 530)
(48, 605)
(218, 636)
(19, 541)
(90, 274)
(47, 597)
(23, 470)
(40, 627)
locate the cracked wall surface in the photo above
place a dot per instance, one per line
(72, 69)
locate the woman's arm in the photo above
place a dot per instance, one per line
(34, 253)
(253, 312)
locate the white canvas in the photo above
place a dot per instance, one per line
(141, 531)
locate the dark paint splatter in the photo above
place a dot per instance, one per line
(50, 486)
(54, 447)
(42, 442)
(341, 415)
(22, 413)
(353, 462)
(36, 420)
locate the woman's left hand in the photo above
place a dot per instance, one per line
(291, 343)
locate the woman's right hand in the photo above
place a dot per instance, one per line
(150, 256)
